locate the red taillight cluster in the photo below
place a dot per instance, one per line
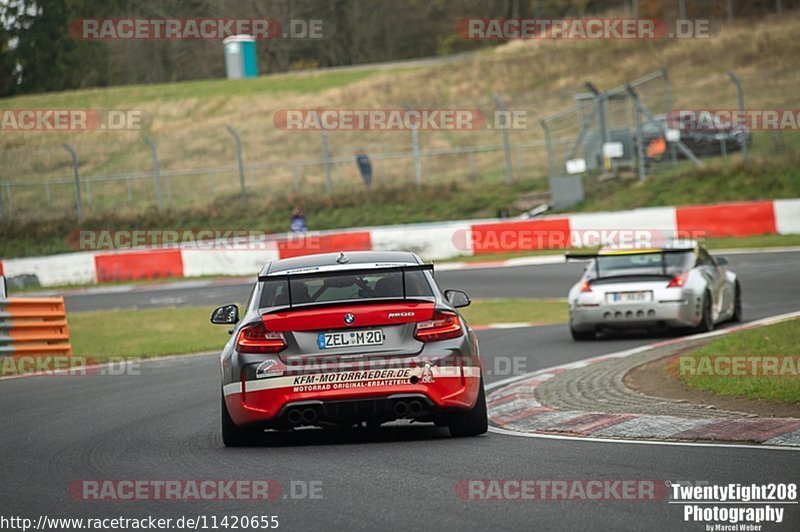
(678, 281)
(586, 287)
(256, 339)
(443, 326)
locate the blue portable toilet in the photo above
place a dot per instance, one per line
(240, 56)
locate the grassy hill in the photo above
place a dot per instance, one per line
(188, 121)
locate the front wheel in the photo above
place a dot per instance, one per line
(471, 422)
(232, 434)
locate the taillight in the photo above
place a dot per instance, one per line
(256, 339)
(443, 326)
(678, 281)
(586, 287)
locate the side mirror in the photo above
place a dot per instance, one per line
(721, 261)
(225, 315)
(457, 298)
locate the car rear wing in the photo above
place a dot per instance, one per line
(592, 256)
(353, 271)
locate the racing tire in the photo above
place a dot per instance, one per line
(737, 304)
(232, 434)
(582, 336)
(707, 319)
(472, 422)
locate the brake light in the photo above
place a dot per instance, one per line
(256, 339)
(443, 326)
(586, 287)
(678, 281)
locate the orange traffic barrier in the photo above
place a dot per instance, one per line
(33, 326)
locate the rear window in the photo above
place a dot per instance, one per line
(644, 264)
(343, 286)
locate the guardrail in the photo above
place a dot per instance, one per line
(33, 326)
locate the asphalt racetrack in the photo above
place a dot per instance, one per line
(164, 424)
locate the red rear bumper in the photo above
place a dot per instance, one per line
(261, 400)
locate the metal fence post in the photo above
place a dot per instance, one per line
(740, 97)
(238, 141)
(501, 105)
(682, 9)
(156, 171)
(548, 147)
(600, 103)
(78, 202)
(639, 136)
(778, 7)
(326, 161)
(1, 203)
(415, 150)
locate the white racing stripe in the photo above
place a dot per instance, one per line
(350, 378)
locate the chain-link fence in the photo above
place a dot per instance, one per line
(195, 166)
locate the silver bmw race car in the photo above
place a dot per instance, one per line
(678, 286)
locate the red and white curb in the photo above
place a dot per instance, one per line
(515, 410)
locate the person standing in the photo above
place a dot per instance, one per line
(298, 224)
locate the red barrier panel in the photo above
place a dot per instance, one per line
(502, 237)
(1, 267)
(729, 219)
(311, 243)
(136, 265)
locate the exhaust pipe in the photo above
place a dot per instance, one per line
(309, 415)
(294, 416)
(415, 408)
(400, 409)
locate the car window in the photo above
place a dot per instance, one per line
(642, 264)
(341, 286)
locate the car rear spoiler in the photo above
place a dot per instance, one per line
(594, 255)
(346, 271)
(627, 253)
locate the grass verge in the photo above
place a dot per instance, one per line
(778, 340)
(109, 334)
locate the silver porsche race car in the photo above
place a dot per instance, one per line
(677, 286)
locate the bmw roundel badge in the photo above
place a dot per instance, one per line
(349, 318)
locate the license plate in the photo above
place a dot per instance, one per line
(349, 339)
(629, 297)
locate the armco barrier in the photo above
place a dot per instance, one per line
(729, 219)
(324, 243)
(136, 265)
(502, 237)
(439, 240)
(33, 326)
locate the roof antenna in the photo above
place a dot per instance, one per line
(342, 258)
